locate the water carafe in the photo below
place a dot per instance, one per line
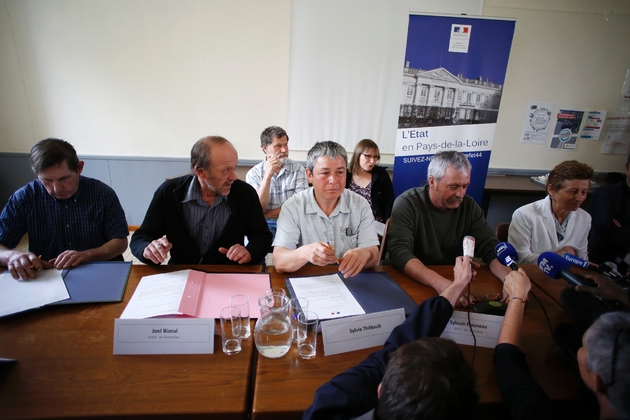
(272, 333)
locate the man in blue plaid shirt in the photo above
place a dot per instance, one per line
(70, 219)
(277, 178)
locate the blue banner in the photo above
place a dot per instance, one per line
(452, 86)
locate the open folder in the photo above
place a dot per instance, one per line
(87, 283)
(332, 296)
(194, 293)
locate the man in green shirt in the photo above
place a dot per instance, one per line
(429, 223)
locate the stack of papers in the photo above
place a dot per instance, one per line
(194, 294)
(331, 296)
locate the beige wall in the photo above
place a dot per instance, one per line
(149, 77)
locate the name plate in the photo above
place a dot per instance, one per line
(485, 327)
(359, 332)
(164, 336)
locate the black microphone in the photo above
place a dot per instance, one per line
(507, 255)
(557, 267)
(579, 262)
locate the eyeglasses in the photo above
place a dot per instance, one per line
(370, 157)
(613, 358)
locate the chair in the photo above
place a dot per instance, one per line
(383, 246)
(501, 231)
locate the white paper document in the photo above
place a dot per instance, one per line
(327, 296)
(20, 295)
(485, 327)
(156, 295)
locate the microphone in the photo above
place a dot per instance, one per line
(507, 255)
(557, 267)
(579, 262)
(469, 246)
(610, 269)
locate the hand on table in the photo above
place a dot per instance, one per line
(353, 261)
(237, 253)
(157, 251)
(319, 253)
(69, 259)
(25, 265)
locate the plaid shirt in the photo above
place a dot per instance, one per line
(289, 181)
(87, 220)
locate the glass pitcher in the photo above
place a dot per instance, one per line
(272, 332)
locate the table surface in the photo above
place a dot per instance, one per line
(66, 366)
(284, 387)
(511, 183)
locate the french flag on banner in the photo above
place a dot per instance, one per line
(461, 29)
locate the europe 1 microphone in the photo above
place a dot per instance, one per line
(507, 255)
(557, 267)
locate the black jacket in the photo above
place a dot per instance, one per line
(382, 191)
(166, 217)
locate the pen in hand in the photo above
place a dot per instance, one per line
(329, 246)
(32, 267)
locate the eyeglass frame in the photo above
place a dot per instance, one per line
(370, 157)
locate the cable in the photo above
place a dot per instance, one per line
(545, 312)
(472, 363)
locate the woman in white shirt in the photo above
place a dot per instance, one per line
(556, 223)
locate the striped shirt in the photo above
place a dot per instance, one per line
(289, 181)
(205, 223)
(87, 220)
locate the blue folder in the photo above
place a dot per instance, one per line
(374, 291)
(96, 282)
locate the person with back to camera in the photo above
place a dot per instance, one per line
(604, 361)
(416, 375)
(371, 181)
(610, 232)
(555, 223)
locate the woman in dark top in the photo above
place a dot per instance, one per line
(371, 181)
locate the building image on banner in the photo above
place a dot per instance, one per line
(452, 84)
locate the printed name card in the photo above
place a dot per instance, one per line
(359, 332)
(485, 327)
(164, 336)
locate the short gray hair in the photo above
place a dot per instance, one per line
(442, 160)
(611, 330)
(329, 149)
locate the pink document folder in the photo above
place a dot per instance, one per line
(206, 293)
